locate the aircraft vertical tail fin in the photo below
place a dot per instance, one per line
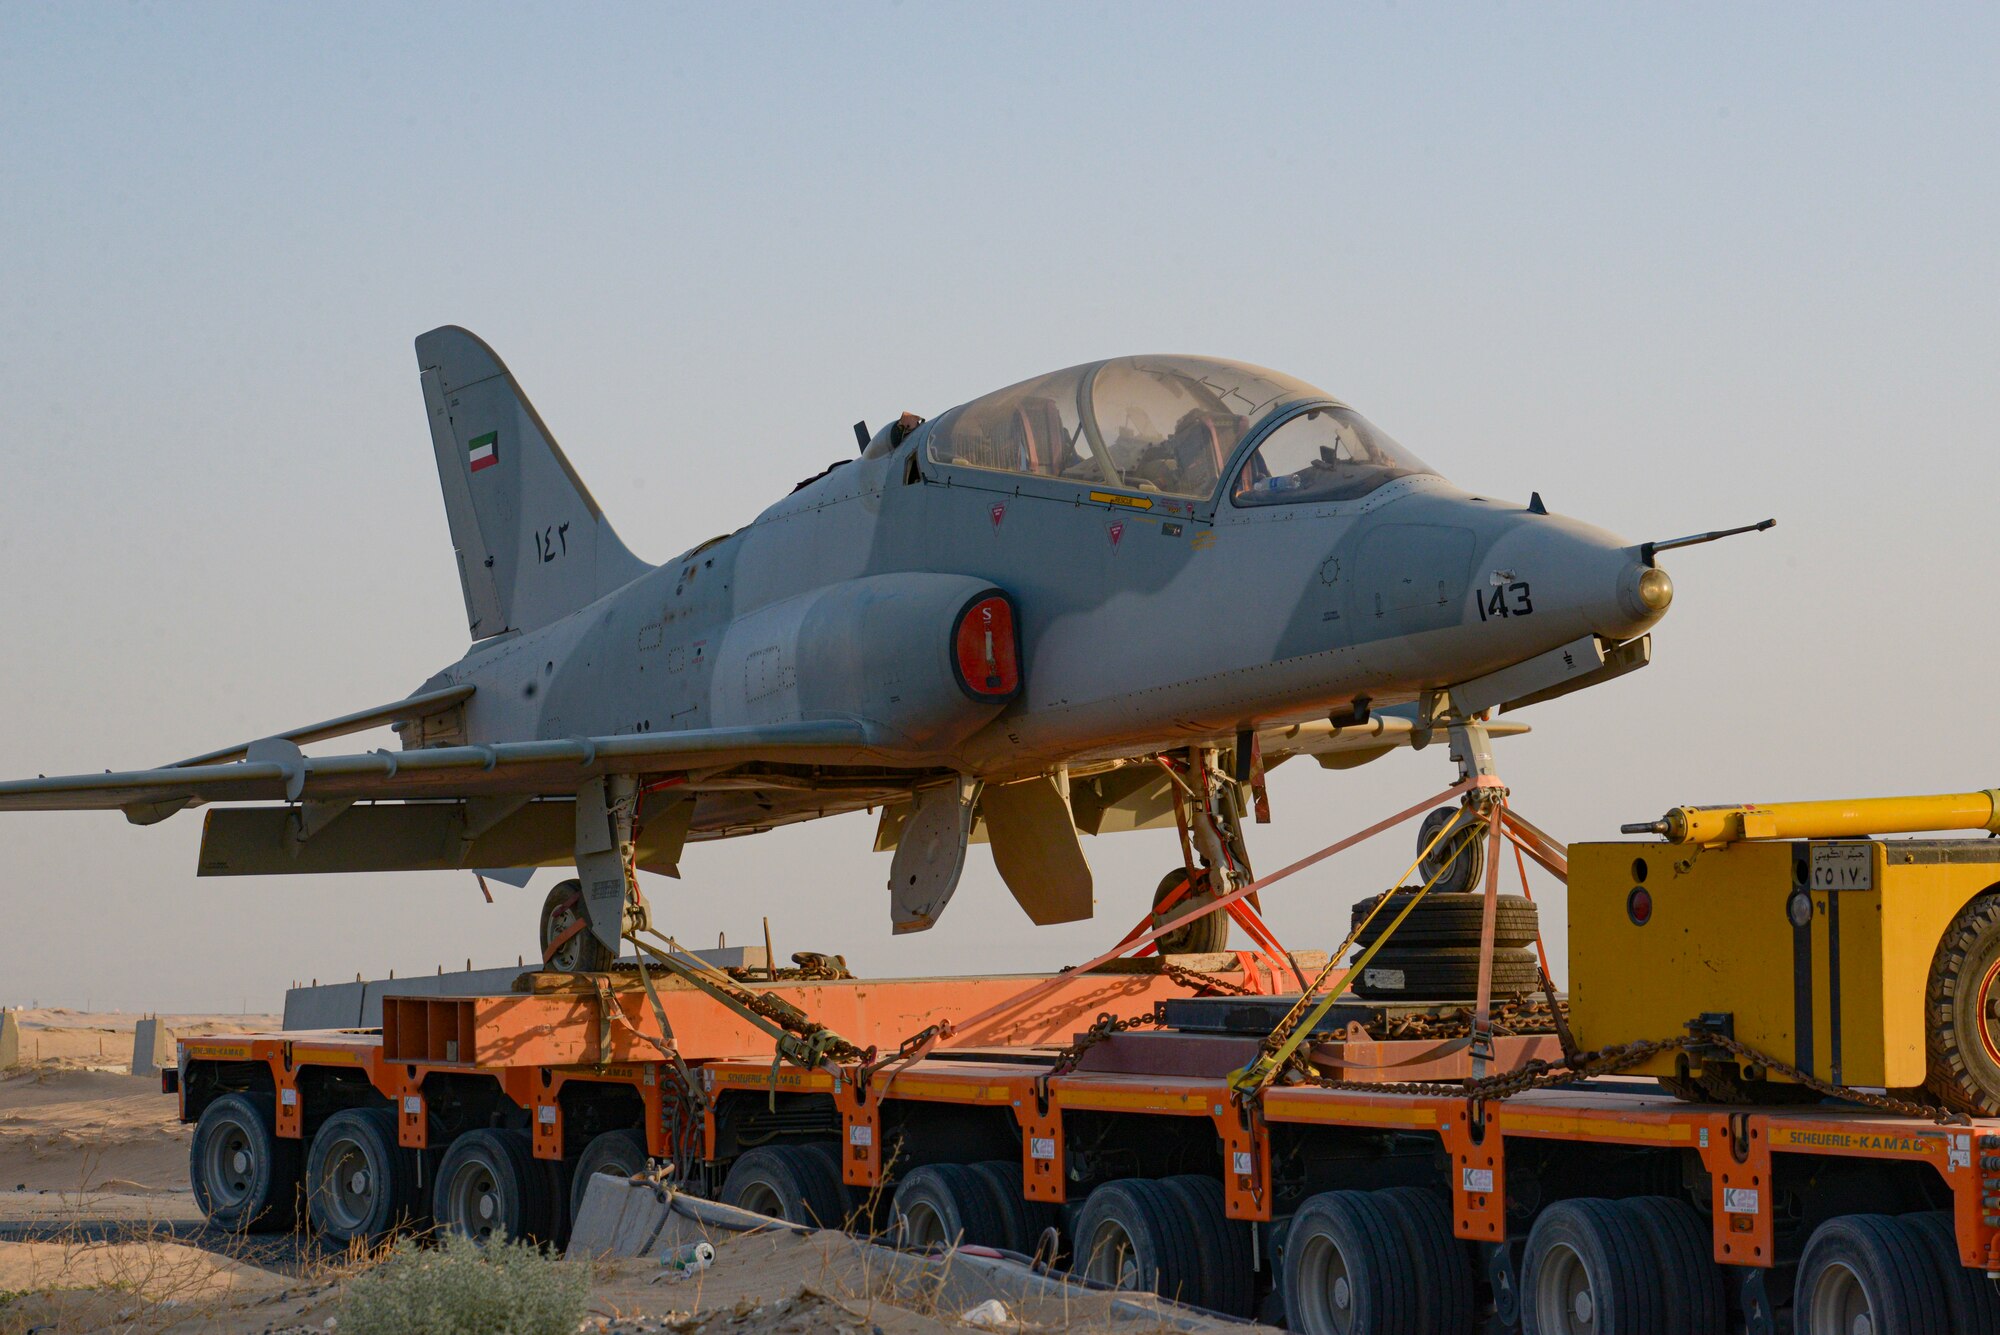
(532, 544)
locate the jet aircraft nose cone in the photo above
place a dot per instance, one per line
(1646, 591)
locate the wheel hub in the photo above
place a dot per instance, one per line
(488, 1207)
(1988, 1012)
(240, 1161)
(357, 1182)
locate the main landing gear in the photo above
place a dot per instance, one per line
(586, 917)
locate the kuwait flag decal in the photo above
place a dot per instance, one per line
(485, 450)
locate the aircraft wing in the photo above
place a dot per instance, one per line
(274, 769)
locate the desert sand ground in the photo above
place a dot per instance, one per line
(99, 1230)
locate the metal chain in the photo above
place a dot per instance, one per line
(1200, 981)
(1540, 1074)
(1107, 1024)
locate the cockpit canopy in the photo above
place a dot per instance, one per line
(1169, 425)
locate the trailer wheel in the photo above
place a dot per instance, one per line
(1203, 936)
(360, 1184)
(1972, 1304)
(581, 953)
(943, 1205)
(246, 1179)
(791, 1182)
(1345, 1270)
(1444, 1274)
(1131, 1234)
(1868, 1272)
(1962, 1002)
(1228, 1278)
(1026, 1222)
(1684, 1248)
(620, 1153)
(1586, 1270)
(491, 1189)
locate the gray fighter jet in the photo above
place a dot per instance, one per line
(1104, 599)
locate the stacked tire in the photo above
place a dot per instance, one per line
(1434, 954)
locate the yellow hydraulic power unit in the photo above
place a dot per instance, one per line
(1863, 961)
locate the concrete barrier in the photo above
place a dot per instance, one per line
(628, 1218)
(10, 1038)
(152, 1046)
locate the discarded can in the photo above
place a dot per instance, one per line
(686, 1260)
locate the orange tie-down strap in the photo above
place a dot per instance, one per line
(1442, 1050)
(1135, 940)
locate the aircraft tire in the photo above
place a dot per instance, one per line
(246, 1178)
(1228, 1279)
(490, 1188)
(582, 953)
(360, 1184)
(619, 1153)
(1868, 1272)
(1463, 872)
(1203, 936)
(1960, 999)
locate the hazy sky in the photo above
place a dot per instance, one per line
(1675, 271)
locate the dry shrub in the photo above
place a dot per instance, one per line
(461, 1288)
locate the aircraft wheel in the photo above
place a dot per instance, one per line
(1868, 1272)
(1228, 1278)
(1203, 936)
(795, 1183)
(1972, 1304)
(1027, 1222)
(1345, 1270)
(942, 1205)
(360, 1184)
(1587, 1269)
(1445, 1300)
(1682, 1247)
(1469, 835)
(1131, 1234)
(246, 1179)
(1962, 1004)
(620, 1153)
(582, 952)
(490, 1189)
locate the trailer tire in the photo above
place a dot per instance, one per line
(1228, 1278)
(946, 1205)
(1445, 1297)
(246, 1178)
(1972, 1303)
(1586, 1268)
(1027, 1222)
(794, 1183)
(583, 953)
(1684, 1248)
(1132, 1235)
(619, 1153)
(360, 1184)
(1446, 973)
(1449, 920)
(1961, 1000)
(490, 1188)
(1344, 1269)
(1203, 936)
(1868, 1266)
